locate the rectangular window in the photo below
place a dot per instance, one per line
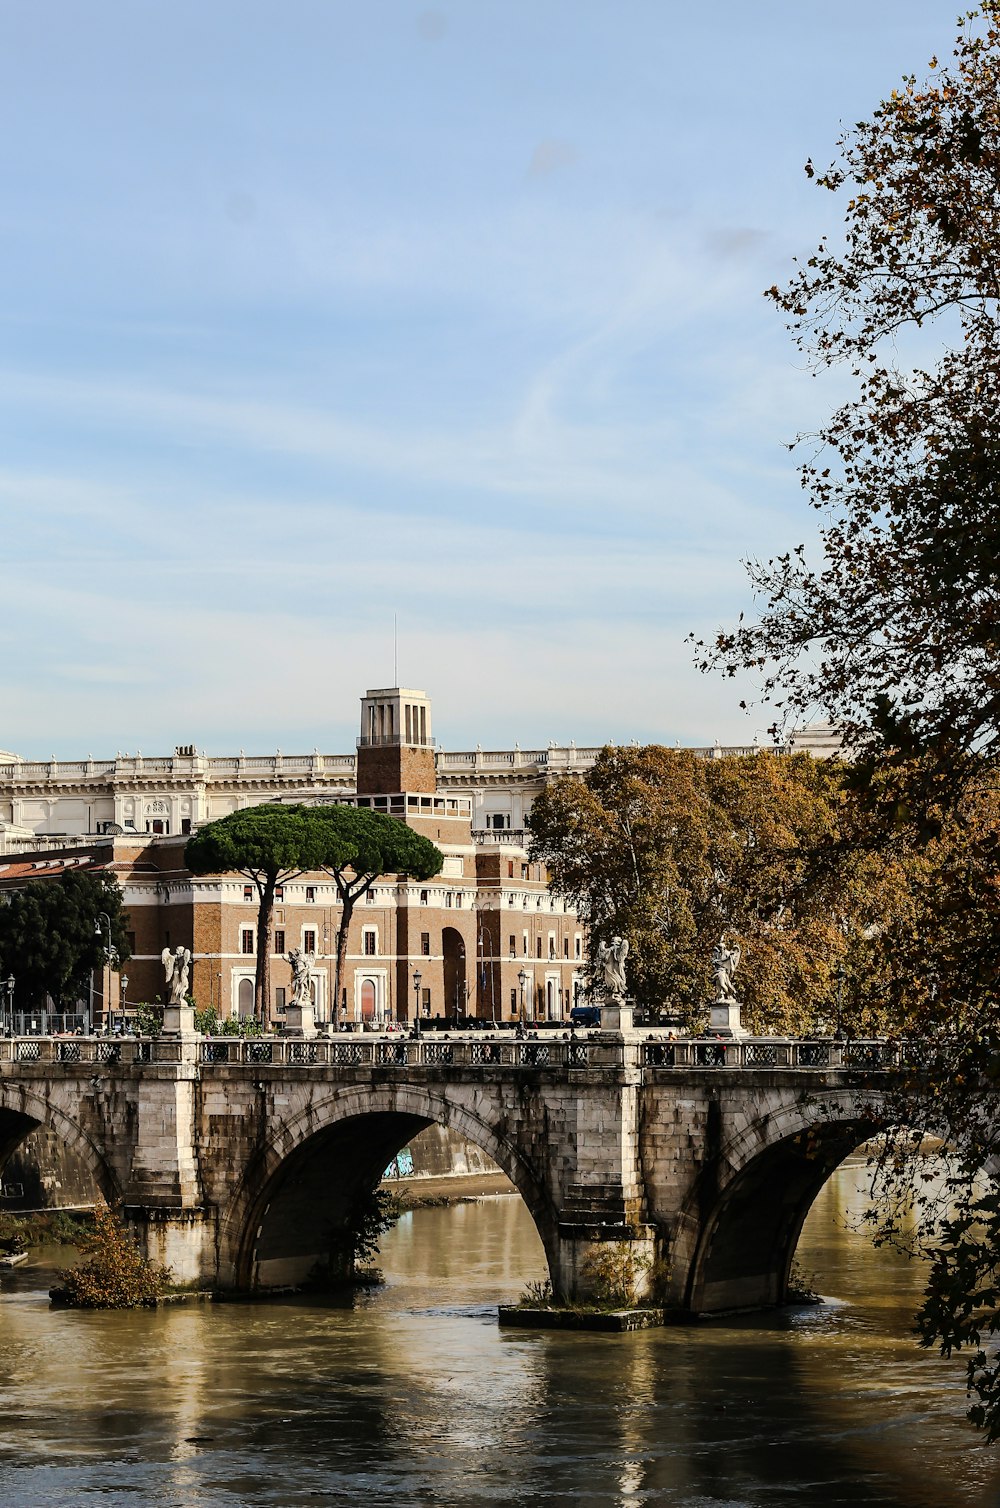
(310, 892)
(370, 898)
(447, 898)
(538, 947)
(279, 940)
(185, 825)
(524, 871)
(565, 947)
(279, 892)
(130, 939)
(524, 943)
(513, 1002)
(248, 892)
(309, 941)
(510, 869)
(425, 944)
(371, 940)
(279, 998)
(423, 897)
(427, 1000)
(246, 940)
(577, 943)
(513, 945)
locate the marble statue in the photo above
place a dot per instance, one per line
(611, 961)
(177, 972)
(301, 976)
(725, 962)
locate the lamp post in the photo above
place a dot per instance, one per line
(416, 1001)
(522, 979)
(109, 956)
(124, 984)
(10, 1005)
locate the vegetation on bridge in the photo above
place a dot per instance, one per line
(114, 1274)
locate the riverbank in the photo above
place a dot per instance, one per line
(453, 1188)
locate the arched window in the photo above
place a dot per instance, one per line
(245, 999)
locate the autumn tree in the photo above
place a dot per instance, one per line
(355, 847)
(894, 629)
(270, 845)
(671, 851)
(50, 941)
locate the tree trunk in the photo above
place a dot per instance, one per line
(262, 981)
(347, 901)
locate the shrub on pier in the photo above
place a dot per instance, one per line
(115, 1274)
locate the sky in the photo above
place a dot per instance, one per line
(314, 313)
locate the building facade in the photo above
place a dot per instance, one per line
(484, 938)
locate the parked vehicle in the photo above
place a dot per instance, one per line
(585, 1015)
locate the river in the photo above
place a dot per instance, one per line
(412, 1395)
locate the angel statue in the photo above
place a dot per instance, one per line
(176, 969)
(301, 976)
(725, 962)
(610, 960)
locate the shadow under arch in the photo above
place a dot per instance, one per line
(22, 1112)
(750, 1221)
(300, 1183)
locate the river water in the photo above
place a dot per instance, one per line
(412, 1395)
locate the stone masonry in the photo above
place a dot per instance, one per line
(235, 1160)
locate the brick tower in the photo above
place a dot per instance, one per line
(395, 750)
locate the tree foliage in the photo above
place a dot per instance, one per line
(672, 851)
(114, 1274)
(273, 844)
(269, 844)
(895, 632)
(49, 937)
(358, 846)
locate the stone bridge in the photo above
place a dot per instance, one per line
(236, 1159)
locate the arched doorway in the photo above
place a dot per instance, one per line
(368, 1000)
(455, 991)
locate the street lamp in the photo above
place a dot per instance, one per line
(110, 956)
(522, 979)
(416, 1001)
(124, 984)
(10, 1005)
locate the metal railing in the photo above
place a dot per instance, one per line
(473, 1050)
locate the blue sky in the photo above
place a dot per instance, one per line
(314, 312)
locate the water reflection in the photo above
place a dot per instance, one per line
(413, 1396)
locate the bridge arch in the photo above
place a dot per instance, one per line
(300, 1181)
(749, 1204)
(23, 1111)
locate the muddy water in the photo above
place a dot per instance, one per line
(413, 1396)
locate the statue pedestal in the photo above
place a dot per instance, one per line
(178, 1021)
(300, 1020)
(724, 1020)
(616, 1015)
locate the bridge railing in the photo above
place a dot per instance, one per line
(771, 1052)
(469, 1052)
(405, 1052)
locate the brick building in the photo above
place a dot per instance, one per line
(484, 938)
